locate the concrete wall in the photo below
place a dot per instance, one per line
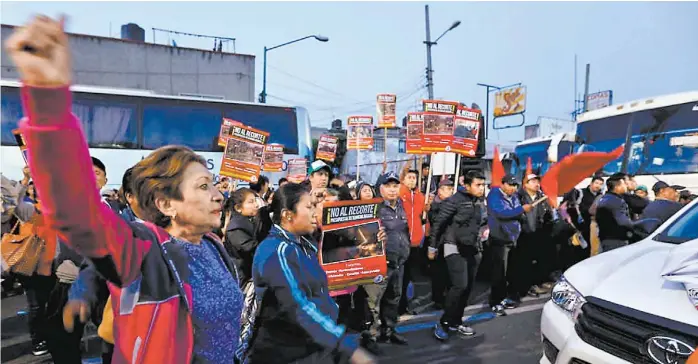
(112, 62)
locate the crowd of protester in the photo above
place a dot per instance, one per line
(176, 267)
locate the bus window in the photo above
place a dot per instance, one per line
(279, 122)
(11, 108)
(195, 126)
(107, 124)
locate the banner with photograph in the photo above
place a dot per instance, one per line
(327, 148)
(350, 252)
(439, 124)
(386, 110)
(466, 131)
(510, 101)
(226, 130)
(22, 144)
(297, 170)
(273, 158)
(415, 126)
(244, 153)
(360, 133)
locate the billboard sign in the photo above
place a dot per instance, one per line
(510, 101)
(599, 100)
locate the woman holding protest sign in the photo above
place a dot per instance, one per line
(175, 290)
(297, 318)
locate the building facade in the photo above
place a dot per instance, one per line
(122, 63)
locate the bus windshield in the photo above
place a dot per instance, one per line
(538, 152)
(664, 140)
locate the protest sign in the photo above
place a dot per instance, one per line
(415, 125)
(273, 158)
(327, 148)
(386, 110)
(360, 133)
(226, 130)
(297, 170)
(466, 131)
(244, 153)
(439, 122)
(350, 252)
(22, 144)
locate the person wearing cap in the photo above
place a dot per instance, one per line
(685, 197)
(319, 174)
(642, 192)
(613, 215)
(438, 268)
(665, 203)
(533, 245)
(457, 226)
(504, 212)
(636, 204)
(384, 295)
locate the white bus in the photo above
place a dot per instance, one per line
(123, 126)
(660, 135)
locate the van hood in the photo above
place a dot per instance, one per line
(632, 277)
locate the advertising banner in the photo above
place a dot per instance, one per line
(439, 123)
(226, 130)
(360, 133)
(350, 252)
(273, 158)
(599, 100)
(327, 148)
(510, 101)
(466, 132)
(297, 170)
(415, 126)
(386, 110)
(244, 153)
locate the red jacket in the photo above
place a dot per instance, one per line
(152, 299)
(413, 203)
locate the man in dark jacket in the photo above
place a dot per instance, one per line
(384, 295)
(636, 204)
(613, 215)
(665, 203)
(504, 212)
(533, 244)
(459, 218)
(438, 267)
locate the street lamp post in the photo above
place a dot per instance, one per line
(491, 88)
(263, 94)
(429, 43)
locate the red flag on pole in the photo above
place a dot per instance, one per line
(574, 168)
(497, 169)
(529, 167)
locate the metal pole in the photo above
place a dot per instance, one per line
(586, 87)
(385, 145)
(455, 181)
(575, 88)
(263, 95)
(430, 79)
(487, 115)
(431, 170)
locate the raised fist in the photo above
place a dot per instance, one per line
(40, 52)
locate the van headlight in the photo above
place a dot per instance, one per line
(565, 296)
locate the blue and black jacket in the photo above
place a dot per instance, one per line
(504, 215)
(297, 317)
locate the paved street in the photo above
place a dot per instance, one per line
(511, 339)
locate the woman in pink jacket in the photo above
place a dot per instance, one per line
(176, 296)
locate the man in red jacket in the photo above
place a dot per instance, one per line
(413, 202)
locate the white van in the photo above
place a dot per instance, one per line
(617, 308)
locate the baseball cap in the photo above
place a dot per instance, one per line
(389, 177)
(662, 185)
(686, 194)
(641, 188)
(318, 165)
(531, 176)
(446, 182)
(510, 179)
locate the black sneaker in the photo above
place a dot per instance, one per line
(369, 343)
(509, 304)
(395, 338)
(40, 349)
(499, 310)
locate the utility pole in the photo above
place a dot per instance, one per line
(586, 88)
(430, 78)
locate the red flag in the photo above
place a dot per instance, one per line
(529, 167)
(574, 168)
(497, 169)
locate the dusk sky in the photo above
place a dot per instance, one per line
(638, 50)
